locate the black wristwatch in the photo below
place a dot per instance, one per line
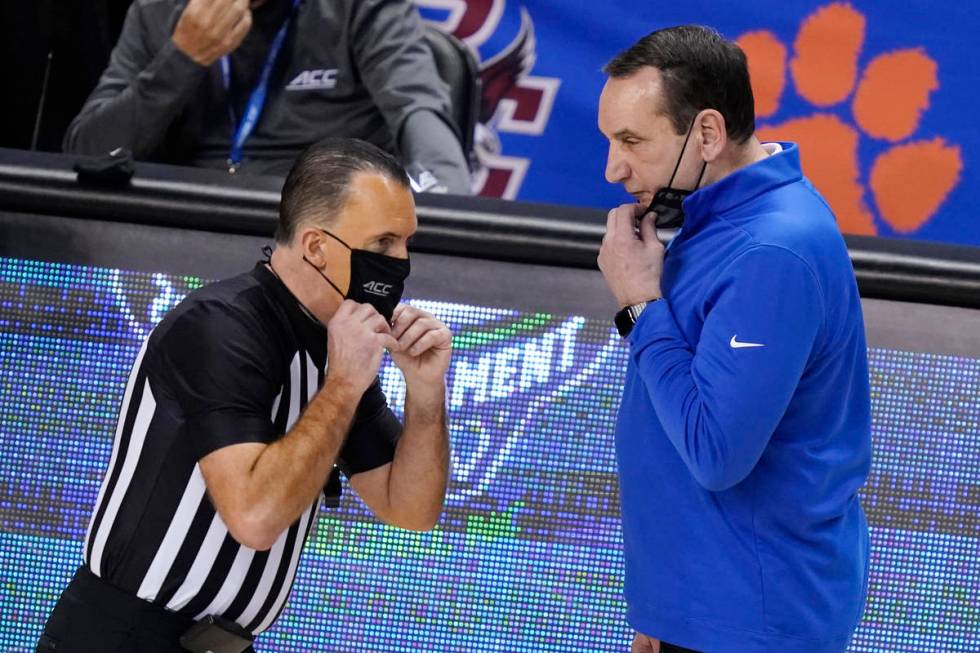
(626, 318)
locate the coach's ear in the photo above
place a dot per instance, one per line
(712, 134)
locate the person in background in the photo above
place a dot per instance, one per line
(744, 431)
(245, 86)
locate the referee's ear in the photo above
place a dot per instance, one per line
(712, 136)
(310, 242)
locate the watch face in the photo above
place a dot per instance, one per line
(624, 321)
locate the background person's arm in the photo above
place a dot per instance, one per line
(146, 86)
(426, 140)
(399, 71)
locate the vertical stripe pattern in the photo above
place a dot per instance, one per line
(197, 567)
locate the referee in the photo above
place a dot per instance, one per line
(241, 406)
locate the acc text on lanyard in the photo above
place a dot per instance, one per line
(256, 101)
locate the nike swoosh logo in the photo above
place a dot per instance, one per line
(741, 345)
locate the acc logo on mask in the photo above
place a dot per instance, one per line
(377, 288)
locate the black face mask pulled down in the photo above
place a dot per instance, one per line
(668, 202)
(375, 279)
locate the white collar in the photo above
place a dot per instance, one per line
(772, 148)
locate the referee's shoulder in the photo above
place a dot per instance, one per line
(236, 306)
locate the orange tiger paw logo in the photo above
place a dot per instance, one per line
(908, 182)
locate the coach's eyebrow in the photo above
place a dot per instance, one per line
(626, 133)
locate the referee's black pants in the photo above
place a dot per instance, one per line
(92, 616)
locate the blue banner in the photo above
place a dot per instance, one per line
(878, 94)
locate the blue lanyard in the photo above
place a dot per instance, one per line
(256, 101)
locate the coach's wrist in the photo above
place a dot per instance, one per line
(627, 317)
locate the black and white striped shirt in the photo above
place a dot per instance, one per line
(235, 362)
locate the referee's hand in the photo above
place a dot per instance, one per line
(357, 336)
(425, 345)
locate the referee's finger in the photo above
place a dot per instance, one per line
(401, 308)
(388, 342)
(364, 312)
(431, 339)
(378, 324)
(416, 331)
(405, 321)
(349, 307)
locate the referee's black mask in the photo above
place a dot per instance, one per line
(375, 279)
(360, 198)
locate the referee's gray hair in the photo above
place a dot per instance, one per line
(319, 180)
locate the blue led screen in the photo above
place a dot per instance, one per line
(527, 556)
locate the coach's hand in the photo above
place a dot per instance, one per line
(357, 336)
(425, 346)
(210, 29)
(631, 263)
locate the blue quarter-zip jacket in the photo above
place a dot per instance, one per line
(744, 430)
